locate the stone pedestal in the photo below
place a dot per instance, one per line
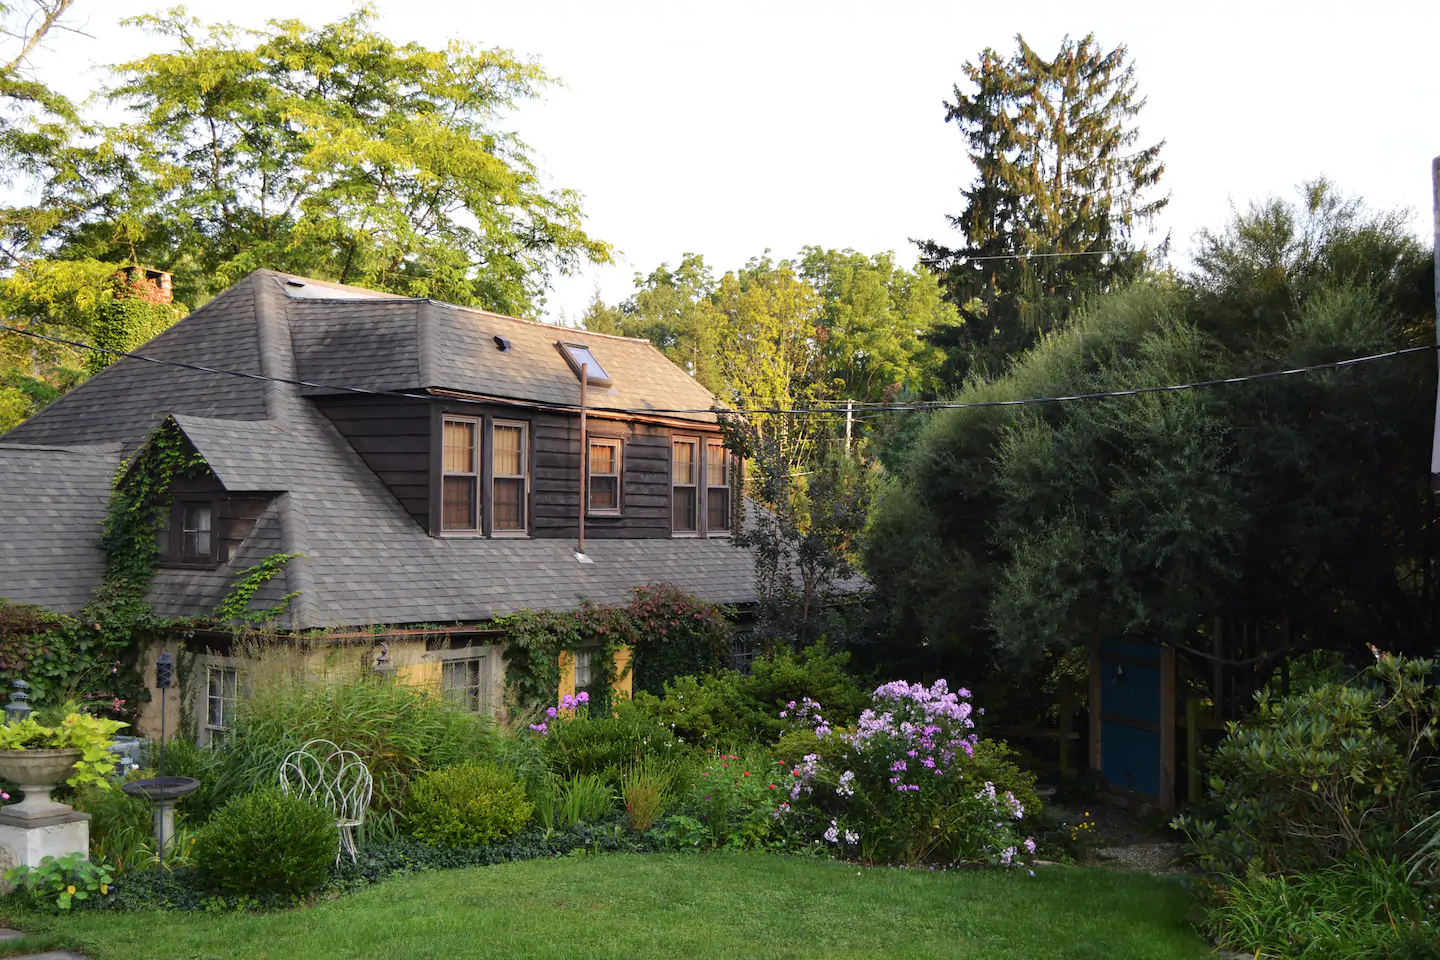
(27, 841)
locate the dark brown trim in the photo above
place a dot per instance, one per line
(680, 423)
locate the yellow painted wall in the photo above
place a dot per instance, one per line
(624, 682)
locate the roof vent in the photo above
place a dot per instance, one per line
(501, 343)
(294, 283)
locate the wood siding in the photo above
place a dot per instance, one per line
(393, 436)
(400, 440)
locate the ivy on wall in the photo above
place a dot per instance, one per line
(93, 657)
(670, 631)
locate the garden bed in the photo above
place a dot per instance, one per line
(670, 905)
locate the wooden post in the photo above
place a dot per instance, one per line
(1192, 749)
(1435, 450)
(584, 453)
(1067, 724)
(1096, 687)
(1217, 689)
(1167, 728)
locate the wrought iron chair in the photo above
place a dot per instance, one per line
(338, 780)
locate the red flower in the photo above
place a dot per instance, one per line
(772, 786)
(745, 774)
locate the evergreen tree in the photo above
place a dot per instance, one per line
(1061, 186)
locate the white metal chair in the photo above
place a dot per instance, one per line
(338, 780)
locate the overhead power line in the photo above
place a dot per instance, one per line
(827, 411)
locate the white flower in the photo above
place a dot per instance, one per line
(833, 834)
(851, 837)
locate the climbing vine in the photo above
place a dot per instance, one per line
(236, 605)
(93, 657)
(669, 632)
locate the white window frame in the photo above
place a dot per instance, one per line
(483, 657)
(208, 733)
(477, 463)
(619, 447)
(523, 476)
(590, 654)
(694, 486)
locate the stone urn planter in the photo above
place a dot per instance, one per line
(36, 773)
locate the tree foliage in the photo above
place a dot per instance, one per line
(1042, 527)
(1061, 185)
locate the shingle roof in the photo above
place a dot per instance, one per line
(363, 559)
(419, 344)
(52, 505)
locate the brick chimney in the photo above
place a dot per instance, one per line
(153, 286)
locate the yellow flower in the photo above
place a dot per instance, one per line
(70, 889)
(104, 889)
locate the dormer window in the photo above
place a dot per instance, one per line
(185, 534)
(578, 355)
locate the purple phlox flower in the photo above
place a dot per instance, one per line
(1030, 846)
(833, 834)
(822, 731)
(1007, 855)
(783, 714)
(851, 837)
(552, 713)
(582, 697)
(540, 728)
(897, 766)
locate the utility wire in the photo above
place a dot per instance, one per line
(827, 411)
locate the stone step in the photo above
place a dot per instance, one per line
(7, 935)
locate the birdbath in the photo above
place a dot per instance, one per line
(162, 792)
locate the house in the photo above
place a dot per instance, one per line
(422, 462)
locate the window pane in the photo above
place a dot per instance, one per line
(584, 662)
(580, 354)
(162, 533)
(716, 465)
(510, 504)
(604, 493)
(507, 451)
(195, 527)
(684, 462)
(458, 507)
(602, 458)
(717, 503)
(683, 510)
(459, 446)
(220, 690)
(464, 683)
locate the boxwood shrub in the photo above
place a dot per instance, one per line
(467, 805)
(264, 844)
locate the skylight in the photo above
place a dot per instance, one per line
(579, 355)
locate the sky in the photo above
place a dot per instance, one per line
(729, 129)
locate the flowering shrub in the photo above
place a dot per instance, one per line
(900, 783)
(746, 802)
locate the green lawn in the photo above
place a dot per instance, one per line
(720, 905)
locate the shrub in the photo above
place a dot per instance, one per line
(1310, 779)
(728, 710)
(904, 785)
(1355, 910)
(467, 805)
(992, 762)
(266, 844)
(742, 801)
(605, 746)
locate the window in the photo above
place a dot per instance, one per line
(717, 488)
(185, 533)
(466, 681)
(604, 497)
(221, 689)
(508, 452)
(459, 497)
(578, 355)
(584, 669)
(195, 540)
(683, 508)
